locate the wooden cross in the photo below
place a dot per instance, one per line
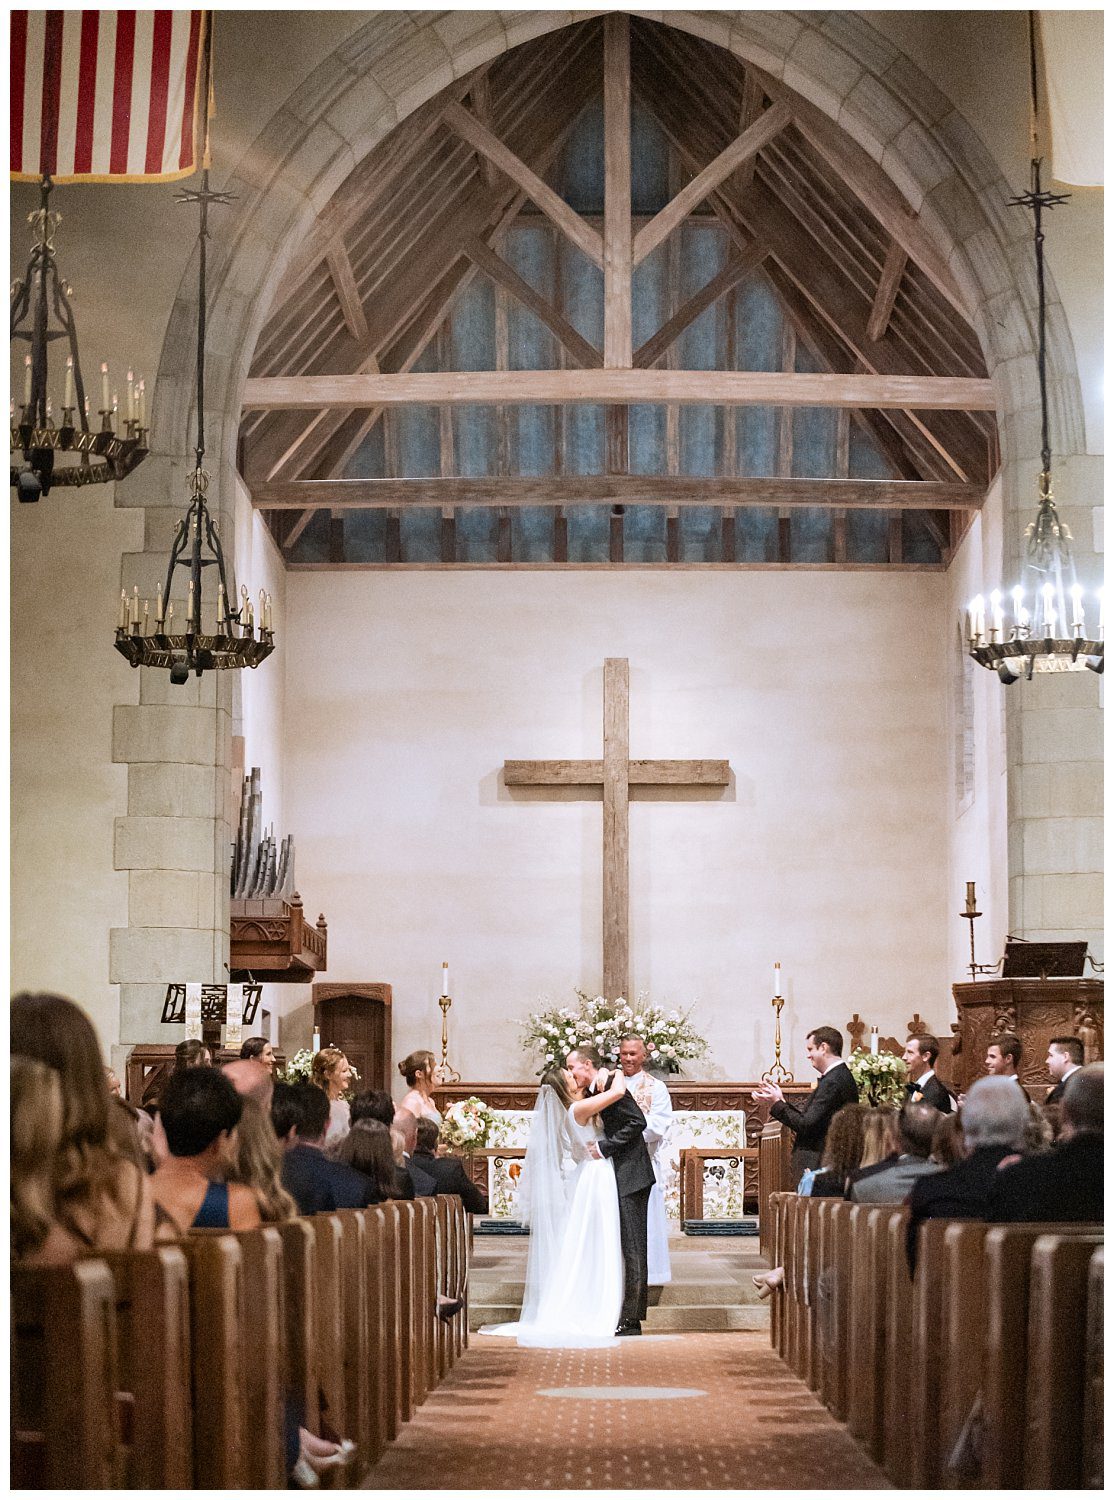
(616, 773)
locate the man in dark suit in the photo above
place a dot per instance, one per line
(920, 1057)
(995, 1118)
(623, 1143)
(300, 1115)
(1064, 1185)
(1065, 1057)
(447, 1172)
(824, 1050)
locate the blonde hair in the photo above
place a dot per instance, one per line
(258, 1164)
(879, 1135)
(325, 1064)
(417, 1062)
(37, 1114)
(398, 1145)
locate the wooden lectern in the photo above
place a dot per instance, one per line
(357, 1019)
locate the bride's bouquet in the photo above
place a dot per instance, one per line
(669, 1035)
(467, 1125)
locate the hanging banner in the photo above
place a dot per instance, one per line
(234, 1016)
(1071, 41)
(193, 1012)
(107, 95)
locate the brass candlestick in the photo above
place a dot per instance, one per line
(448, 1072)
(778, 1073)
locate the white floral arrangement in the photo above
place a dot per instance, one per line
(467, 1124)
(881, 1076)
(669, 1036)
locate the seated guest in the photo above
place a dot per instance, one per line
(332, 1072)
(37, 1239)
(192, 1054)
(376, 1104)
(367, 1149)
(200, 1114)
(947, 1140)
(1063, 1185)
(447, 1172)
(259, 1049)
(881, 1147)
(300, 1114)
(843, 1152)
(102, 1198)
(920, 1057)
(250, 1079)
(891, 1183)
(406, 1126)
(113, 1081)
(259, 1160)
(995, 1118)
(837, 1087)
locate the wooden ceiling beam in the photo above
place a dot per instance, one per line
(619, 388)
(348, 294)
(624, 489)
(480, 96)
(648, 354)
(886, 295)
(484, 257)
(743, 148)
(753, 103)
(618, 265)
(554, 207)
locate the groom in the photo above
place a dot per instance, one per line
(622, 1142)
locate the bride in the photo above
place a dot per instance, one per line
(574, 1265)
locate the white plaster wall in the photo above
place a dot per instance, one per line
(829, 851)
(65, 791)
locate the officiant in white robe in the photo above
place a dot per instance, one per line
(652, 1098)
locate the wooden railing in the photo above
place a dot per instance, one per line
(177, 1367)
(984, 1370)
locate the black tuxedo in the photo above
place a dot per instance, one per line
(1056, 1095)
(449, 1176)
(933, 1092)
(810, 1125)
(622, 1143)
(1061, 1186)
(318, 1184)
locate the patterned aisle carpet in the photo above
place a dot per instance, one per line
(671, 1411)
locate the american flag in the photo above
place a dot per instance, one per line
(106, 95)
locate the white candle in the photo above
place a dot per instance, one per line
(996, 614)
(1077, 606)
(123, 609)
(67, 400)
(158, 609)
(49, 410)
(135, 605)
(189, 606)
(777, 978)
(27, 380)
(146, 607)
(131, 397)
(221, 611)
(315, 1045)
(873, 1040)
(143, 403)
(1049, 609)
(104, 387)
(267, 616)
(444, 979)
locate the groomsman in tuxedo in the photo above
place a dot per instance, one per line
(837, 1087)
(1065, 1057)
(920, 1057)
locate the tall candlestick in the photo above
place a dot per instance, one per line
(104, 387)
(67, 399)
(445, 978)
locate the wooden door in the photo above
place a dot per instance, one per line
(357, 1019)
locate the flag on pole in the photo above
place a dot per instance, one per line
(107, 95)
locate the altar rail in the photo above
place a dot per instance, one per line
(998, 1336)
(174, 1367)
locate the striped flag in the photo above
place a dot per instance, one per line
(106, 95)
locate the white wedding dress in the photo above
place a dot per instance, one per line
(574, 1272)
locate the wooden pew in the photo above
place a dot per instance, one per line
(929, 1368)
(773, 1178)
(355, 1334)
(1009, 1250)
(1092, 1477)
(869, 1247)
(897, 1338)
(65, 1422)
(424, 1297)
(299, 1241)
(152, 1314)
(834, 1307)
(1060, 1268)
(380, 1350)
(962, 1309)
(329, 1333)
(218, 1354)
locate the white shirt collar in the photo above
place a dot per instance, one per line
(1069, 1071)
(923, 1079)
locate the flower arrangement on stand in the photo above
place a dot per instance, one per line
(467, 1125)
(881, 1076)
(670, 1037)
